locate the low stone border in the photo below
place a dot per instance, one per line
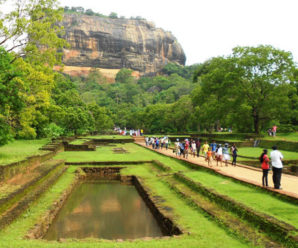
(34, 192)
(108, 162)
(224, 218)
(280, 230)
(105, 141)
(160, 165)
(10, 170)
(10, 199)
(70, 147)
(162, 215)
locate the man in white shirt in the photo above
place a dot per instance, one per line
(276, 161)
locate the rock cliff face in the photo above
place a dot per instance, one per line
(106, 43)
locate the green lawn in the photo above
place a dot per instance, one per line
(257, 151)
(254, 198)
(210, 180)
(283, 136)
(203, 231)
(118, 137)
(200, 229)
(20, 149)
(79, 141)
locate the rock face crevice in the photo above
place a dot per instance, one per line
(119, 43)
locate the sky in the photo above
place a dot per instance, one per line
(210, 28)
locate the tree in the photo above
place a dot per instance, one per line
(11, 101)
(251, 85)
(113, 15)
(260, 79)
(124, 76)
(31, 30)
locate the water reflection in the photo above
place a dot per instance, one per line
(104, 210)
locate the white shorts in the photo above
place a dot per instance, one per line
(226, 157)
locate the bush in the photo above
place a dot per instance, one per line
(53, 131)
(287, 128)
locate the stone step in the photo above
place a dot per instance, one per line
(33, 184)
(226, 218)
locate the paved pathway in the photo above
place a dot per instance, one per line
(248, 174)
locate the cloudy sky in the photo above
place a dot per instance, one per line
(208, 28)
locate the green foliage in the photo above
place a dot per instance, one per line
(124, 76)
(113, 15)
(11, 101)
(183, 71)
(53, 131)
(245, 90)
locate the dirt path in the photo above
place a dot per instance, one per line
(248, 174)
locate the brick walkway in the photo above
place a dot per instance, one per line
(248, 174)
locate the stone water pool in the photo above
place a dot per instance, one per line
(107, 210)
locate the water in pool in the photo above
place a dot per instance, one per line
(104, 210)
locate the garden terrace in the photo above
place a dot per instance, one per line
(201, 207)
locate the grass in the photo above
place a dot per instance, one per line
(200, 229)
(203, 232)
(249, 196)
(79, 141)
(284, 137)
(20, 149)
(255, 152)
(117, 137)
(135, 153)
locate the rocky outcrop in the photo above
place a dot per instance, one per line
(105, 43)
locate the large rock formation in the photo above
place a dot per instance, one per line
(98, 42)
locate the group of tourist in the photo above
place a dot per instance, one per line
(221, 154)
(211, 152)
(131, 132)
(272, 131)
(158, 143)
(276, 162)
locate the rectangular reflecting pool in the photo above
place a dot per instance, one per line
(108, 210)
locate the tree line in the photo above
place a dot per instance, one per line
(248, 91)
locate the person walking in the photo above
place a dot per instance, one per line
(194, 148)
(181, 147)
(213, 146)
(186, 148)
(234, 151)
(177, 148)
(209, 157)
(274, 128)
(166, 141)
(205, 148)
(225, 152)
(198, 144)
(219, 155)
(265, 167)
(276, 161)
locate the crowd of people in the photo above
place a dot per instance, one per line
(221, 153)
(212, 152)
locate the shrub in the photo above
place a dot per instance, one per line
(53, 131)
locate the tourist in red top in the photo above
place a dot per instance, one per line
(264, 159)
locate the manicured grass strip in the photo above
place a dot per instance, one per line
(284, 137)
(21, 149)
(203, 232)
(135, 153)
(78, 141)
(249, 196)
(115, 137)
(255, 152)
